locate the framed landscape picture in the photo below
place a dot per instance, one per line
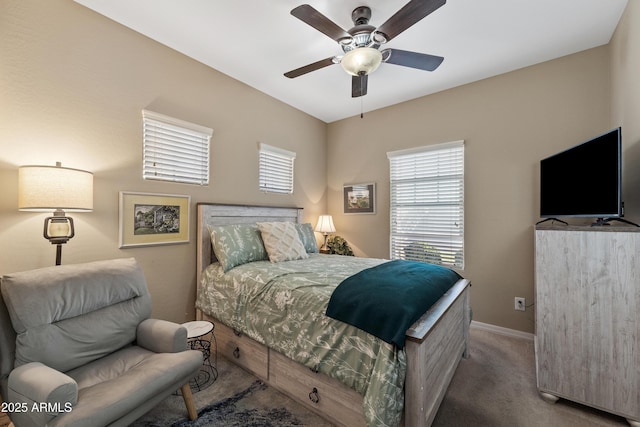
(148, 219)
(359, 198)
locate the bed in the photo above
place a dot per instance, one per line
(389, 386)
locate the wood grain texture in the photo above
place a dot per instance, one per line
(428, 376)
(243, 351)
(188, 401)
(587, 320)
(331, 399)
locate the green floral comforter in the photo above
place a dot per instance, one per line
(282, 305)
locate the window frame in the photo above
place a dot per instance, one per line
(175, 150)
(427, 178)
(276, 169)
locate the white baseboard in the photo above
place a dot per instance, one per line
(501, 331)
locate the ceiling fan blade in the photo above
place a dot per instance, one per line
(309, 68)
(421, 61)
(320, 22)
(359, 85)
(408, 15)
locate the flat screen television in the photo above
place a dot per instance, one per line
(585, 180)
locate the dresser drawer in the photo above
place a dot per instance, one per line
(242, 350)
(318, 392)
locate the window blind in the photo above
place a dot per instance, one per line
(276, 169)
(175, 150)
(427, 204)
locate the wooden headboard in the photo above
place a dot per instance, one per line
(221, 214)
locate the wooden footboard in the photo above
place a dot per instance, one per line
(434, 346)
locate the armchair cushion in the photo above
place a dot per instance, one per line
(75, 316)
(124, 381)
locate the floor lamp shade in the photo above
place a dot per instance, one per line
(58, 189)
(46, 188)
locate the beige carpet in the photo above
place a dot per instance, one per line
(495, 387)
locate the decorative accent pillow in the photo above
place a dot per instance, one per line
(282, 241)
(305, 231)
(237, 244)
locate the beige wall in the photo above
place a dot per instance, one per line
(625, 71)
(508, 124)
(72, 87)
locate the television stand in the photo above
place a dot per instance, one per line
(552, 219)
(584, 290)
(606, 221)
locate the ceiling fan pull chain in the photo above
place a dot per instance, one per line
(362, 107)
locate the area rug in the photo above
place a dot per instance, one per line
(235, 399)
(233, 412)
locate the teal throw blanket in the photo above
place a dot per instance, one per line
(387, 299)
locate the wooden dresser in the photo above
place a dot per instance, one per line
(588, 316)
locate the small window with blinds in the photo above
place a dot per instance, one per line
(276, 169)
(427, 204)
(174, 150)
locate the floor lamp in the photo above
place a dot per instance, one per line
(46, 188)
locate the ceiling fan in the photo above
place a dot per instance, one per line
(361, 44)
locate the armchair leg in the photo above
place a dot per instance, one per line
(188, 402)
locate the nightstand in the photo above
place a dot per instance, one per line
(200, 337)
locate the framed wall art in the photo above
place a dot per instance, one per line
(359, 198)
(148, 219)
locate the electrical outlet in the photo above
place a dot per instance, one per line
(519, 304)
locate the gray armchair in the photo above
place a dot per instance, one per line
(77, 347)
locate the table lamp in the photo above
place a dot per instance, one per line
(325, 226)
(46, 188)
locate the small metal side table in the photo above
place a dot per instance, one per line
(200, 336)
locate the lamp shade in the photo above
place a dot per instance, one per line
(325, 224)
(361, 61)
(46, 188)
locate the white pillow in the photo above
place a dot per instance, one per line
(282, 241)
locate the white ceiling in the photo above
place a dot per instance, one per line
(256, 41)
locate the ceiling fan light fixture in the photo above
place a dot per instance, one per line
(378, 37)
(361, 61)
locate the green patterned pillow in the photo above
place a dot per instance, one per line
(237, 244)
(282, 241)
(305, 231)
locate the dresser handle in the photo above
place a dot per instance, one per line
(313, 396)
(236, 353)
(237, 332)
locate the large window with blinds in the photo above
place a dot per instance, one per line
(175, 150)
(276, 169)
(427, 204)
